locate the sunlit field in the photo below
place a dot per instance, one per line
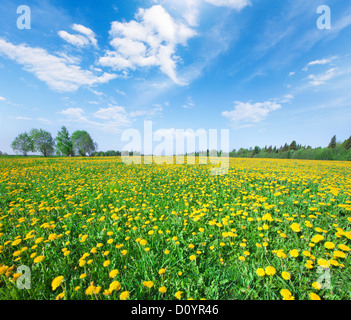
(96, 228)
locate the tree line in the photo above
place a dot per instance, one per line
(65, 145)
(334, 151)
(80, 143)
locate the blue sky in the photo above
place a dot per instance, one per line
(262, 69)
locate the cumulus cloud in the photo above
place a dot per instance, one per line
(248, 114)
(148, 41)
(85, 38)
(57, 72)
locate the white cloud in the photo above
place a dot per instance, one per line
(320, 62)
(317, 80)
(147, 113)
(85, 38)
(189, 103)
(47, 121)
(190, 9)
(74, 113)
(148, 41)
(247, 114)
(2, 98)
(114, 119)
(233, 4)
(57, 72)
(23, 118)
(291, 73)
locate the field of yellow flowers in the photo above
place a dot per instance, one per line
(96, 228)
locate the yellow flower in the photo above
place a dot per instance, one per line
(38, 259)
(295, 227)
(329, 245)
(162, 289)
(56, 282)
(323, 263)
(106, 263)
(91, 289)
(286, 275)
(148, 284)
(16, 242)
(270, 271)
(260, 272)
(60, 296)
(143, 242)
(314, 296)
(192, 257)
(124, 295)
(124, 252)
(286, 294)
(344, 247)
(115, 286)
(339, 254)
(178, 294)
(82, 276)
(107, 292)
(317, 285)
(162, 271)
(294, 253)
(166, 252)
(113, 273)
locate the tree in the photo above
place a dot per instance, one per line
(43, 142)
(64, 145)
(23, 144)
(256, 150)
(293, 145)
(332, 143)
(82, 143)
(347, 143)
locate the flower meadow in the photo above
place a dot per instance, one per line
(96, 228)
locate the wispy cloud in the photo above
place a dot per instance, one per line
(189, 103)
(57, 72)
(317, 80)
(85, 37)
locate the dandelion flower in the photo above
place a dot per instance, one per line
(270, 271)
(124, 295)
(56, 282)
(260, 272)
(178, 294)
(162, 289)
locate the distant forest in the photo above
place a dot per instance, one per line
(81, 144)
(334, 151)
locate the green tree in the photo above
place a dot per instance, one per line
(64, 145)
(347, 143)
(43, 142)
(23, 144)
(82, 143)
(332, 143)
(293, 145)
